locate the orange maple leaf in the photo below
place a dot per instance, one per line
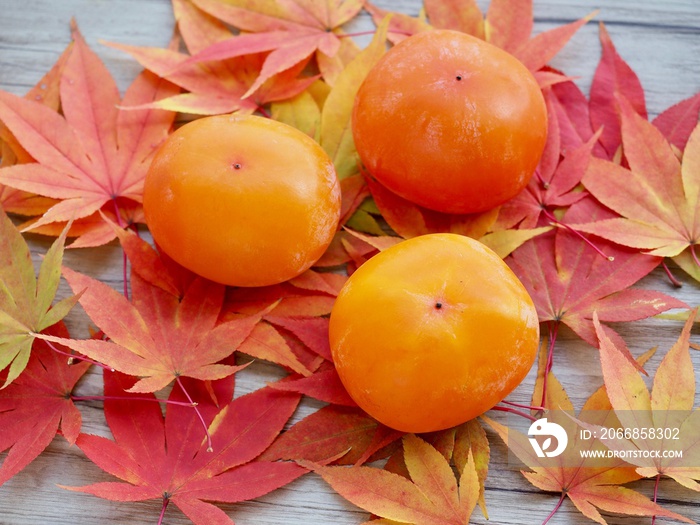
(666, 415)
(94, 157)
(214, 87)
(290, 31)
(590, 484)
(658, 198)
(46, 91)
(431, 497)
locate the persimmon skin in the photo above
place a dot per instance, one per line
(242, 200)
(450, 122)
(432, 332)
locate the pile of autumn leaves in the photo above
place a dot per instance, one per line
(74, 155)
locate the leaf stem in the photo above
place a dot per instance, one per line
(555, 509)
(556, 222)
(553, 331)
(166, 500)
(675, 282)
(514, 411)
(199, 414)
(656, 494)
(76, 356)
(527, 407)
(132, 398)
(118, 215)
(359, 33)
(694, 255)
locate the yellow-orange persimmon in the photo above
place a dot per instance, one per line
(450, 122)
(432, 332)
(242, 200)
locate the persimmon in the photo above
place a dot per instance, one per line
(432, 332)
(242, 200)
(450, 122)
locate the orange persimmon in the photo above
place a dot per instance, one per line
(432, 332)
(450, 122)
(242, 200)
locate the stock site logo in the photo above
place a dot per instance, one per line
(545, 429)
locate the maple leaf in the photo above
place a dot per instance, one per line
(36, 404)
(334, 431)
(159, 337)
(568, 105)
(301, 112)
(336, 115)
(354, 248)
(555, 185)
(290, 31)
(292, 331)
(324, 385)
(214, 87)
(506, 25)
(198, 29)
(26, 300)
(166, 459)
(410, 220)
(346, 249)
(658, 197)
(457, 444)
(669, 407)
(97, 155)
(678, 121)
(568, 280)
(590, 486)
(46, 91)
(289, 298)
(277, 326)
(431, 497)
(612, 79)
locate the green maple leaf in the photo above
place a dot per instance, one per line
(26, 300)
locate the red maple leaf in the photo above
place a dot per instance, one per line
(507, 25)
(166, 458)
(570, 108)
(613, 78)
(293, 331)
(554, 185)
(333, 431)
(36, 404)
(97, 155)
(679, 121)
(568, 280)
(171, 327)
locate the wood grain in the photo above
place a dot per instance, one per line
(661, 42)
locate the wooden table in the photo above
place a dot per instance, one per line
(660, 40)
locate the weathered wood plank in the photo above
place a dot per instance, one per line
(660, 40)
